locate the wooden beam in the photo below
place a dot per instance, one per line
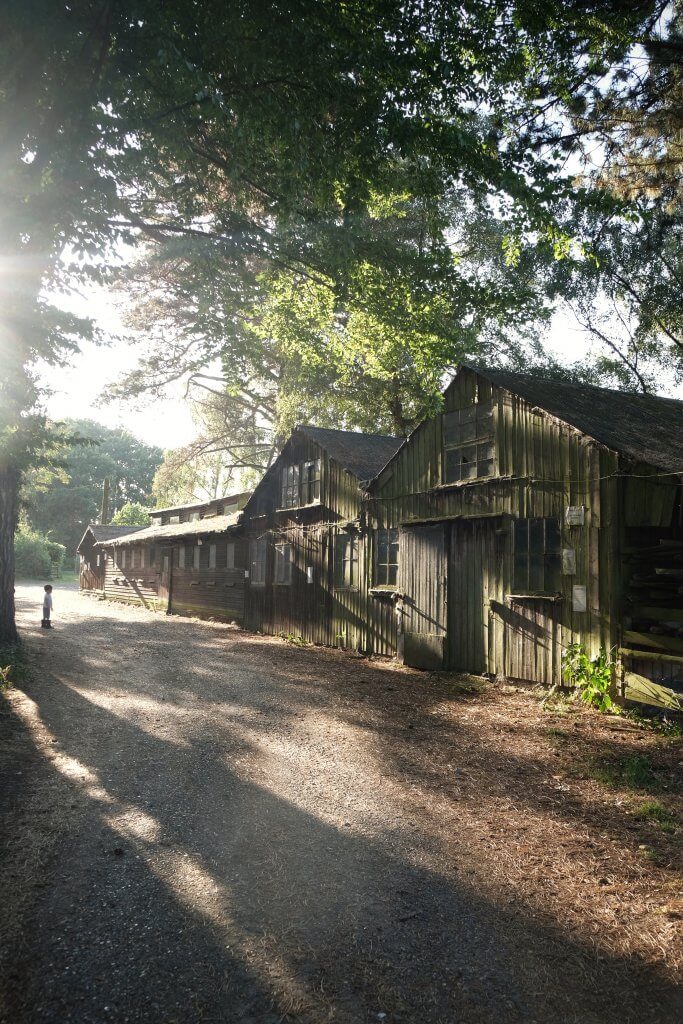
(660, 643)
(644, 691)
(629, 652)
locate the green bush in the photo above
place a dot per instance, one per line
(37, 557)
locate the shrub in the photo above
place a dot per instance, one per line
(591, 677)
(36, 556)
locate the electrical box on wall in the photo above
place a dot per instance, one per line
(575, 515)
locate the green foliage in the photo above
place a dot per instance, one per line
(632, 773)
(132, 514)
(590, 677)
(62, 502)
(654, 811)
(36, 556)
(294, 640)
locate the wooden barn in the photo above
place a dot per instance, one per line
(190, 561)
(92, 559)
(529, 514)
(308, 573)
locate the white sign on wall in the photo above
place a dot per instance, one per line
(575, 515)
(568, 562)
(579, 599)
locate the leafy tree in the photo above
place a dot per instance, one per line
(62, 504)
(37, 557)
(132, 514)
(269, 131)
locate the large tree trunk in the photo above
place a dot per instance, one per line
(9, 488)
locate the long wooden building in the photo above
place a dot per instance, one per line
(92, 558)
(529, 514)
(189, 561)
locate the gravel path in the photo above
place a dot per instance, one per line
(207, 826)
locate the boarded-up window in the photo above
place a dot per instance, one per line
(283, 564)
(142, 558)
(152, 556)
(346, 561)
(537, 555)
(310, 482)
(122, 562)
(230, 555)
(289, 496)
(257, 560)
(193, 517)
(196, 555)
(175, 518)
(181, 556)
(469, 451)
(212, 556)
(386, 559)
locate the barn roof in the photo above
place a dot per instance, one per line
(363, 455)
(645, 427)
(201, 504)
(175, 531)
(107, 532)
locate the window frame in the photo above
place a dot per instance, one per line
(537, 546)
(478, 420)
(290, 484)
(258, 561)
(311, 481)
(346, 557)
(282, 573)
(196, 557)
(181, 556)
(386, 567)
(230, 554)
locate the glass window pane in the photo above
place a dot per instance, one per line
(452, 466)
(536, 536)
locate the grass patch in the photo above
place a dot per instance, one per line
(657, 813)
(631, 773)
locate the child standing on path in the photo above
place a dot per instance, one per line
(47, 607)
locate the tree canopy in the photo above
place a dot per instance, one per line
(406, 177)
(61, 503)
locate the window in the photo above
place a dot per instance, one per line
(386, 565)
(212, 556)
(193, 517)
(310, 482)
(346, 561)
(196, 556)
(283, 564)
(181, 557)
(230, 555)
(175, 518)
(152, 556)
(289, 496)
(469, 451)
(257, 560)
(538, 555)
(122, 563)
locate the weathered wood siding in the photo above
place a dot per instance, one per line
(216, 593)
(311, 606)
(541, 467)
(134, 585)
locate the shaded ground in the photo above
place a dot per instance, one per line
(203, 825)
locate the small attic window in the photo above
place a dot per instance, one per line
(468, 441)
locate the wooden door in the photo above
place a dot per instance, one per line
(422, 581)
(165, 578)
(472, 585)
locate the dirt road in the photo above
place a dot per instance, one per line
(207, 826)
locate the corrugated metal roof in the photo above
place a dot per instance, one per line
(363, 455)
(648, 428)
(173, 531)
